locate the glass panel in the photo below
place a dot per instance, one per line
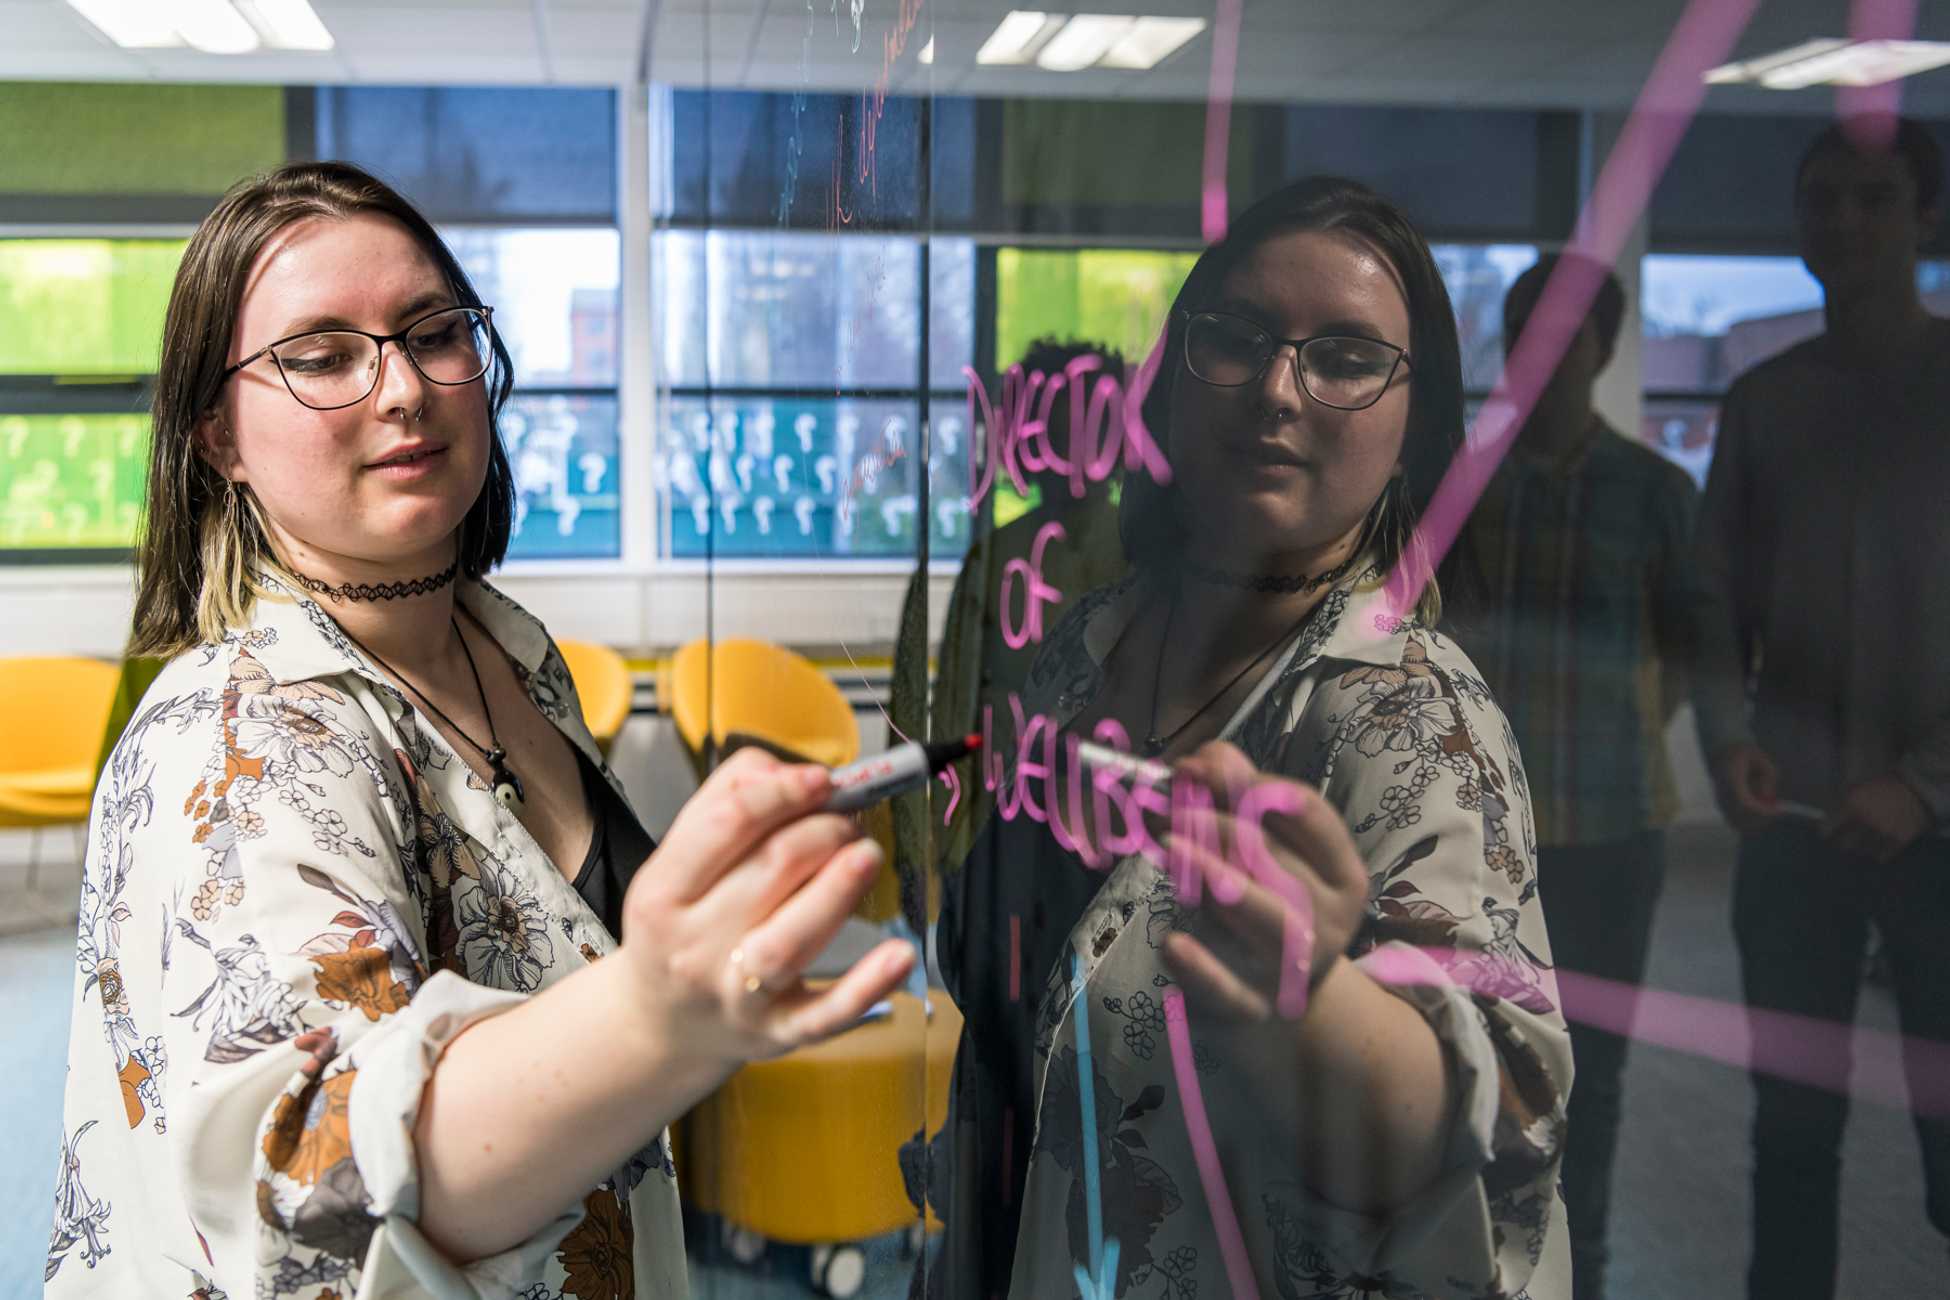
(1461, 170)
(1479, 277)
(1116, 296)
(555, 298)
(467, 153)
(71, 481)
(1707, 319)
(567, 464)
(84, 306)
(795, 159)
(951, 305)
(806, 479)
(789, 310)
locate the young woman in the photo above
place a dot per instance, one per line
(352, 1015)
(1400, 1135)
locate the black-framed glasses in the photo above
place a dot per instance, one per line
(1346, 372)
(329, 369)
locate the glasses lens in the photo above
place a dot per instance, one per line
(1224, 350)
(451, 347)
(328, 370)
(1347, 372)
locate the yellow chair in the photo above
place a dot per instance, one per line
(603, 682)
(766, 695)
(53, 712)
(760, 691)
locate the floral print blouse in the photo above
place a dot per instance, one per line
(1392, 723)
(295, 895)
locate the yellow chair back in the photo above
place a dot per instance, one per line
(762, 690)
(53, 711)
(603, 683)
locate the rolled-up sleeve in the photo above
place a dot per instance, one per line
(304, 1018)
(1420, 763)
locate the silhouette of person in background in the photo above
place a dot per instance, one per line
(1584, 539)
(1824, 691)
(993, 592)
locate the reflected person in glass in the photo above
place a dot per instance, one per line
(1824, 692)
(1586, 636)
(372, 995)
(1397, 1127)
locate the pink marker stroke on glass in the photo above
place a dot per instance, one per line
(1011, 427)
(1906, 1073)
(1869, 112)
(1205, 1152)
(1036, 593)
(1218, 119)
(1703, 37)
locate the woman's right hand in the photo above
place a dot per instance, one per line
(748, 887)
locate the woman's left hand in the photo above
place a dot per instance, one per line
(1280, 892)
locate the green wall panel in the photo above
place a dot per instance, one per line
(78, 139)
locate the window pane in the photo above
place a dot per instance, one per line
(568, 477)
(1707, 319)
(951, 308)
(1114, 296)
(84, 306)
(773, 158)
(71, 481)
(786, 309)
(1479, 277)
(807, 478)
(555, 298)
(1480, 171)
(470, 154)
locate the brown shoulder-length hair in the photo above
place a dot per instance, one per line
(203, 546)
(1149, 523)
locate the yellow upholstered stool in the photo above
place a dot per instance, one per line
(805, 1149)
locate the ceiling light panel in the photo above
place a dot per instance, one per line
(213, 26)
(1866, 63)
(287, 24)
(131, 24)
(1835, 62)
(1082, 41)
(1150, 41)
(1017, 37)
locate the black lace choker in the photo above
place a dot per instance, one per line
(1280, 584)
(379, 591)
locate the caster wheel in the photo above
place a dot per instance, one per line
(839, 1271)
(744, 1245)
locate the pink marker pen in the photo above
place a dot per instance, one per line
(898, 770)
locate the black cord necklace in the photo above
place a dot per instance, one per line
(507, 786)
(1154, 744)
